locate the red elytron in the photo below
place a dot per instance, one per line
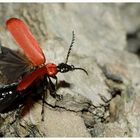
(32, 50)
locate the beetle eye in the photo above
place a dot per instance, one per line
(62, 70)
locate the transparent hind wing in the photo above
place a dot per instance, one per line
(12, 65)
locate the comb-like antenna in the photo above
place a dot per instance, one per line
(72, 42)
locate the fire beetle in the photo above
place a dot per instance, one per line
(30, 74)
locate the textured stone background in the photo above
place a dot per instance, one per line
(106, 102)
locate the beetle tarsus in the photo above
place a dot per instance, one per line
(42, 112)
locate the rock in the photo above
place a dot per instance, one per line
(59, 123)
(129, 15)
(104, 103)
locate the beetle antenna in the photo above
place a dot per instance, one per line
(72, 42)
(80, 69)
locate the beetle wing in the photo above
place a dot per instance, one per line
(26, 40)
(12, 65)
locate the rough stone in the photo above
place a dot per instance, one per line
(59, 123)
(96, 105)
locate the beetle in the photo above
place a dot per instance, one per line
(28, 73)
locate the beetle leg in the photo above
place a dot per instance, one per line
(43, 101)
(53, 88)
(56, 82)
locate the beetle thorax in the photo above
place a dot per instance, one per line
(51, 69)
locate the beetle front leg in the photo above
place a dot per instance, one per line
(53, 88)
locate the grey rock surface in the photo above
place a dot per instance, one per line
(103, 104)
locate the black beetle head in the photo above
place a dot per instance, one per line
(63, 68)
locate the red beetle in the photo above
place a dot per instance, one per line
(32, 50)
(32, 68)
